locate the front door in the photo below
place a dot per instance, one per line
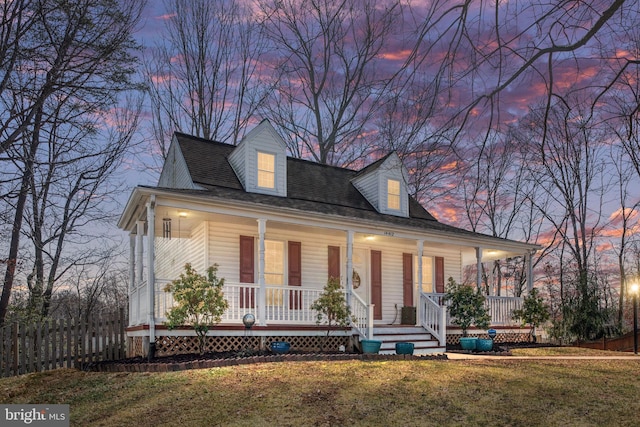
(360, 276)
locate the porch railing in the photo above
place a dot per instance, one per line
(284, 304)
(138, 303)
(361, 317)
(500, 308)
(433, 317)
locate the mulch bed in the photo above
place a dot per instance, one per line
(182, 362)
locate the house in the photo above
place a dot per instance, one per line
(277, 228)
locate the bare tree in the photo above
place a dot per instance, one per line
(570, 168)
(70, 188)
(327, 53)
(204, 78)
(75, 63)
(91, 289)
(624, 221)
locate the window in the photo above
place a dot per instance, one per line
(274, 271)
(393, 194)
(427, 273)
(266, 170)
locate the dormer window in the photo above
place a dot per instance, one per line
(266, 170)
(393, 194)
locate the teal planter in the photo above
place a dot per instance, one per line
(468, 343)
(370, 346)
(404, 348)
(484, 344)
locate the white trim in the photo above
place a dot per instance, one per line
(336, 222)
(262, 301)
(151, 221)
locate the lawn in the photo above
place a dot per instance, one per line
(493, 392)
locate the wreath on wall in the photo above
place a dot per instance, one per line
(355, 280)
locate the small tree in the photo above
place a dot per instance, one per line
(199, 301)
(534, 312)
(466, 306)
(332, 307)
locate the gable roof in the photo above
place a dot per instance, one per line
(308, 183)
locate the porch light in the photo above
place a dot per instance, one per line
(635, 290)
(166, 228)
(182, 214)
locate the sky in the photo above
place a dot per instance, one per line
(570, 72)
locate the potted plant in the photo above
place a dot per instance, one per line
(466, 307)
(534, 312)
(331, 307)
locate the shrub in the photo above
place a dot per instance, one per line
(534, 312)
(199, 301)
(331, 306)
(466, 306)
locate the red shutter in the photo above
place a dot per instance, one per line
(334, 262)
(247, 254)
(439, 274)
(295, 274)
(376, 284)
(407, 280)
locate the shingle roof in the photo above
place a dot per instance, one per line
(310, 184)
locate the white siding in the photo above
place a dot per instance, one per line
(373, 186)
(262, 138)
(237, 160)
(175, 173)
(368, 187)
(172, 254)
(223, 250)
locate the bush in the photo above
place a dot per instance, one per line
(466, 306)
(199, 301)
(331, 306)
(534, 312)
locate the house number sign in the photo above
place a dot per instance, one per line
(389, 233)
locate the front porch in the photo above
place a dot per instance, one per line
(284, 313)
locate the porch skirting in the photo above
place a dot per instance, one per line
(503, 335)
(184, 341)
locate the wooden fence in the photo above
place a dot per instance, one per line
(60, 343)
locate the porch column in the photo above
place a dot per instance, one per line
(529, 258)
(132, 275)
(418, 305)
(151, 281)
(139, 267)
(479, 267)
(349, 266)
(207, 262)
(262, 296)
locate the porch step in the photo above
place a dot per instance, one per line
(423, 341)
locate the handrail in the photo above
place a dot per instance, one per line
(361, 320)
(433, 317)
(500, 308)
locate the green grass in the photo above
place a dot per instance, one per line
(489, 392)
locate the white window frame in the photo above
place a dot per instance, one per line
(428, 273)
(274, 297)
(395, 197)
(263, 173)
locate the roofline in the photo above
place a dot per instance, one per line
(464, 238)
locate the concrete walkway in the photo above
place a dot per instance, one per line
(468, 356)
